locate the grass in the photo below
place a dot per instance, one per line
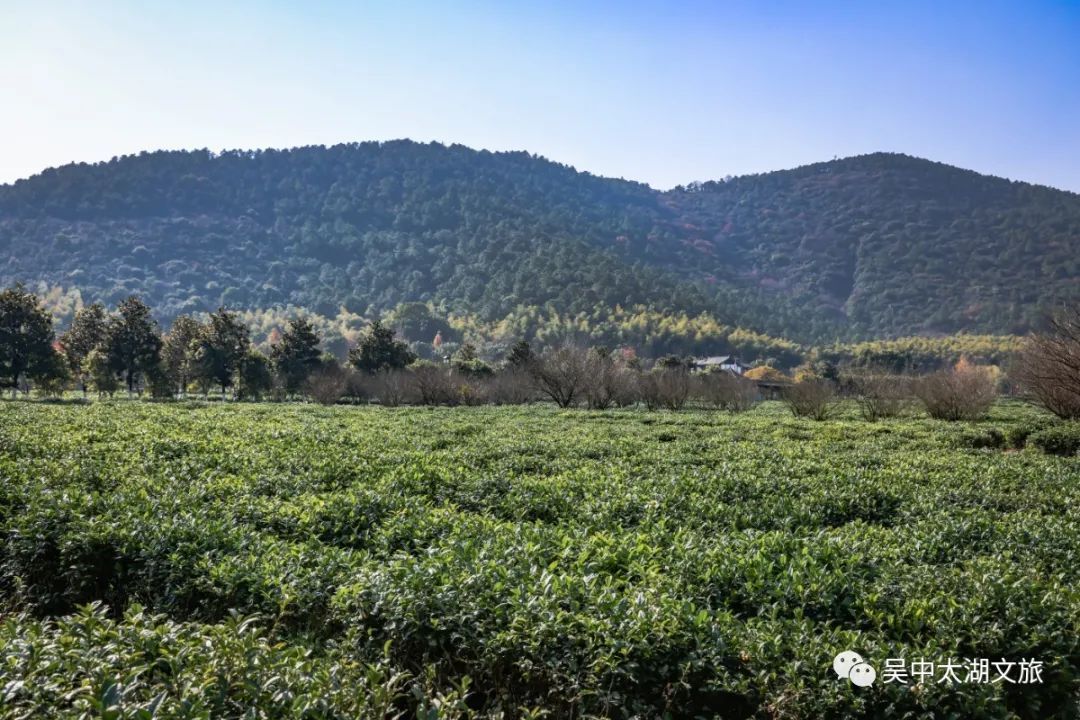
(470, 561)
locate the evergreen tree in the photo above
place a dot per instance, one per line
(87, 332)
(520, 355)
(222, 348)
(26, 337)
(97, 369)
(255, 377)
(296, 355)
(178, 354)
(132, 342)
(378, 350)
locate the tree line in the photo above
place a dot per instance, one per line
(125, 349)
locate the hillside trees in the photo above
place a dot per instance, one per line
(26, 337)
(876, 246)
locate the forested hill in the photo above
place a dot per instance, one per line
(874, 246)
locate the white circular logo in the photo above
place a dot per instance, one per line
(843, 663)
(863, 675)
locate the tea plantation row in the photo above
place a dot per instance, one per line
(299, 561)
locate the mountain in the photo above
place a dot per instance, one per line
(879, 245)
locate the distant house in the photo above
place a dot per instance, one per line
(722, 362)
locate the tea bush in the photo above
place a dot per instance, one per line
(1058, 440)
(232, 560)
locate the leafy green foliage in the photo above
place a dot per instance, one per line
(1058, 440)
(145, 666)
(874, 246)
(132, 341)
(379, 350)
(26, 336)
(296, 355)
(222, 348)
(592, 563)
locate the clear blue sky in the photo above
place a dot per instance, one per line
(662, 92)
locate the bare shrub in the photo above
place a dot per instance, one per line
(879, 396)
(665, 388)
(391, 387)
(813, 398)
(511, 386)
(561, 374)
(1047, 369)
(609, 382)
(471, 390)
(327, 385)
(358, 386)
(965, 392)
(726, 391)
(434, 384)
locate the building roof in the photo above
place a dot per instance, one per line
(716, 360)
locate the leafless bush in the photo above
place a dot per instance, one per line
(879, 396)
(511, 386)
(726, 391)
(434, 384)
(609, 382)
(1048, 367)
(561, 374)
(813, 398)
(358, 385)
(665, 388)
(471, 390)
(327, 385)
(965, 392)
(391, 387)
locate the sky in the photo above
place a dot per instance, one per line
(660, 92)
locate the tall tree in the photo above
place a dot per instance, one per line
(222, 348)
(87, 332)
(133, 342)
(379, 350)
(255, 377)
(181, 346)
(26, 336)
(296, 354)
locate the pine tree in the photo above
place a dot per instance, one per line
(296, 354)
(222, 348)
(378, 350)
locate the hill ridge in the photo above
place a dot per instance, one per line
(876, 245)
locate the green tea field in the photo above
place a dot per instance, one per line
(190, 560)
